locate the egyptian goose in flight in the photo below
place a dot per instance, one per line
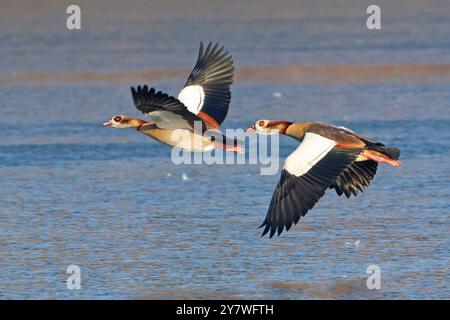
(328, 157)
(205, 98)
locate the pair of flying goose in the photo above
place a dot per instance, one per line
(328, 157)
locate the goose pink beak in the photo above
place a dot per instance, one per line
(106, 124)
(251, 129)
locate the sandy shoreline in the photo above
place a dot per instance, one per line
(288, 74)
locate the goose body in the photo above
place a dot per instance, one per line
(328, 157)
(192, 121)
(185, 140)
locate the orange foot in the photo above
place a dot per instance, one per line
(380, 159)
(227, 148)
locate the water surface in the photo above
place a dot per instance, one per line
(112, 202)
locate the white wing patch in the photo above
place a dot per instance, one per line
(192, 97)
(312, 149)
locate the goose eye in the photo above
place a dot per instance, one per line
(117, 119)
(261, 123)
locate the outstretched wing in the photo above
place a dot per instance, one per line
(207, 89)
(166, 111)
(355, 178)
(307, 174)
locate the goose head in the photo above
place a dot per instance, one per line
(120, 121)
(267, 127)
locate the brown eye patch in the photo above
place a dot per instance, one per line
(261, 123)
(117, 119)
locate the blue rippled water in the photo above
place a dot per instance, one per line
(112, 202)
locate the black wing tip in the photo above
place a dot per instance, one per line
(355, 178)
(214, 51)
(275, 229)
(272, 228)
(147, 99)
(211, 44)
(266, 226)
(145, 92)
